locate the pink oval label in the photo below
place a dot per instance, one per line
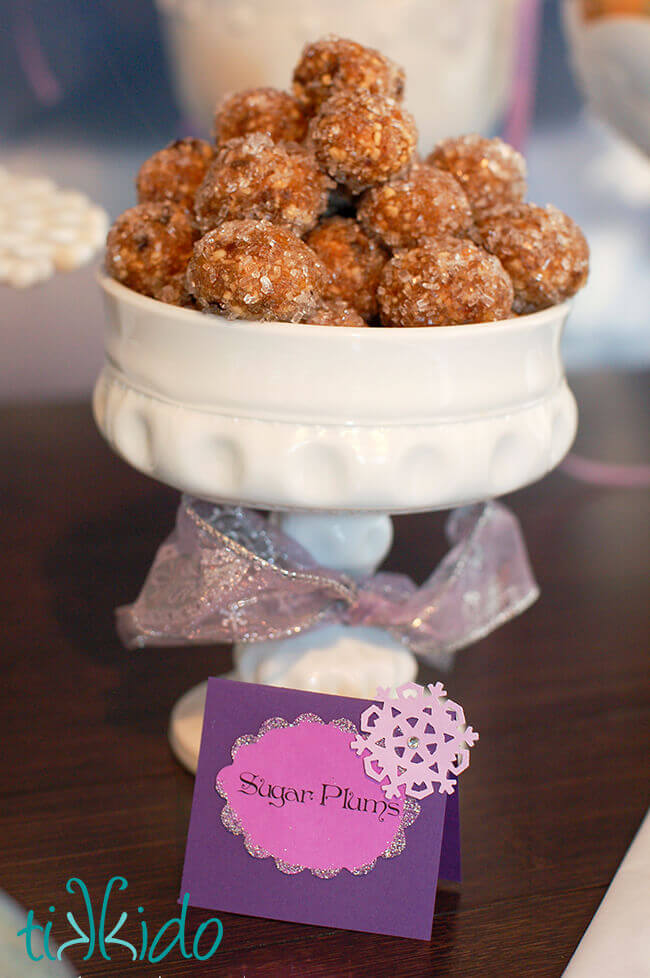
(299, 794)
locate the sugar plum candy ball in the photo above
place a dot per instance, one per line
(255, 270)
(544, 252)
(406, 211)
(334, 64)
(174, 173)
(353, 260)
(254, 178)
(265, 110)
(148, 248)
(492, 173)
(444, 283)
(335, 312)
(362, 140)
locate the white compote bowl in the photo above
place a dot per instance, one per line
(335, 428)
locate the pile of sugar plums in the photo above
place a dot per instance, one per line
(314, 207)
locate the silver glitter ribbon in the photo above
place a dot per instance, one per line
(227, 574)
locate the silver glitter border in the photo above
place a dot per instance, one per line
(231, 822)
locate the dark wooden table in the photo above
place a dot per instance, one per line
(557, 786)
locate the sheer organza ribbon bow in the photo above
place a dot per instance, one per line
(229, 574)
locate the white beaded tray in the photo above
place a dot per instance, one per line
(323, 418)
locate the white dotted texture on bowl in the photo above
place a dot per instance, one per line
(287, 465)
(320, 418)
(44, 229)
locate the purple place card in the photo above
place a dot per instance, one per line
(286, 823)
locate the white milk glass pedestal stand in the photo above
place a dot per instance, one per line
(331, 429)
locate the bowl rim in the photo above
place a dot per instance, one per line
(382, 334)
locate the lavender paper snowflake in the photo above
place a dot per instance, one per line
(414, 739)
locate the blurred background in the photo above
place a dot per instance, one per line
(90, 89)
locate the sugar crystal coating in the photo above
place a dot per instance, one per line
(362, 139)
(542, 249)
(148, 248)
(335, 164)
(408, 210)
(353, 260)
(445, 282)
(335, 312)
(333, 64)
(253, 177)
(255, 270)
(492, 173)
(266, 110)
(174, 173)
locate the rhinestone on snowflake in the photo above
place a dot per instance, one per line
(414, 739)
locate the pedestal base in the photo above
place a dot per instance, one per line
(336, 659)
(186, 725)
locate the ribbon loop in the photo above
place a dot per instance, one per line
(226, 574)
